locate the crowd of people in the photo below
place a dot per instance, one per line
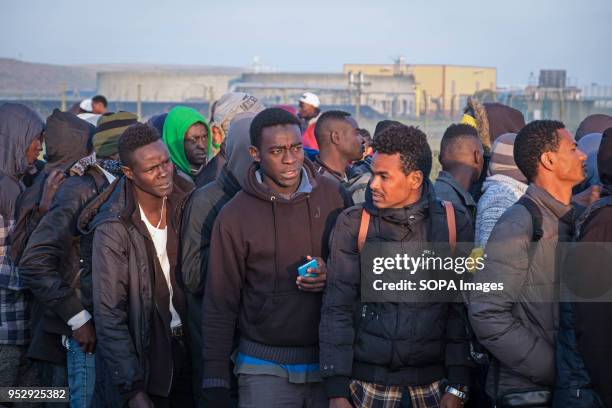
(158, 264)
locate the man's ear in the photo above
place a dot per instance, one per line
(128, 172)
(254, 152)
(547, 160)
(478, 158)
(416, 179)
(334, 137)
(217, 134)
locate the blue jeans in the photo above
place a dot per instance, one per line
(81, 375)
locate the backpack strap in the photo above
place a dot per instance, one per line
(99, 179)
(536, 217)
(451, 224)
(363, 229)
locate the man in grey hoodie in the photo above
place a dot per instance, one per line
(200, 213)
(518, 325)
(20, 143)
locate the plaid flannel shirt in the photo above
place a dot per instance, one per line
(14, 310)
(367, 395)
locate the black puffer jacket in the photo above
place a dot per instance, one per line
(389, 343)
(51, 264)
(125, 296)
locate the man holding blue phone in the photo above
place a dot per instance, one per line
(266, 274)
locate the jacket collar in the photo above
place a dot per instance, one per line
(254, 187)
(407, 215)
(342, 178)
(446, 177)
(542, 196)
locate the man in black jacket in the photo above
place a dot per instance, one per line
(412, 347)
(53, 264)
(139, 303)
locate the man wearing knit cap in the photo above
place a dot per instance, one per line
(188, 137)
(504, 185)
(309, 113)
(222, 113)
(56, 264)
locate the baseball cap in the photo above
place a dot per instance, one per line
(310, 99)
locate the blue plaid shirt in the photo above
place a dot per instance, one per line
(14, 310)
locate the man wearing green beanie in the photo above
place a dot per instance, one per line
(187, 135)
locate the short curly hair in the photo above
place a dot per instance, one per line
(134, 137)
(267, 118)
(411, 144)
(533, 140)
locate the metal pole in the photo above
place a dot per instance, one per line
(63, 97)
(138, 102)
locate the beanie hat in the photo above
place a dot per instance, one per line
(232, 104)
(110, 128)
(502, 158)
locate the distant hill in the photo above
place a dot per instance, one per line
(20, 79)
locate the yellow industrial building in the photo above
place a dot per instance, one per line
(438, 88)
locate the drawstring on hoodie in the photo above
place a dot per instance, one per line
(312, 244)
(274, 297)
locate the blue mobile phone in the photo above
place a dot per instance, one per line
(303, 270)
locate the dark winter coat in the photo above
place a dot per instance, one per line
(126, 298)
(66, 141)
(447, 188)
(592, 348)
(518, 325)
(389, 343)
(52, 265)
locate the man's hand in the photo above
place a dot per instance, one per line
(86, 337)
(339, 403)
(140, 400)
(450, 401)
(317, 283)
(52, 183)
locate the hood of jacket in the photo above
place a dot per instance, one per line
(157, 122)
(237, 146)
(259, 190)
(19, 125)
(493, 120)
(593, 124)
(66, 139)
(604, 159)
(589, 145)
(178, 121)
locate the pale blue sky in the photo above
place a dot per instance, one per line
(517, 37)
